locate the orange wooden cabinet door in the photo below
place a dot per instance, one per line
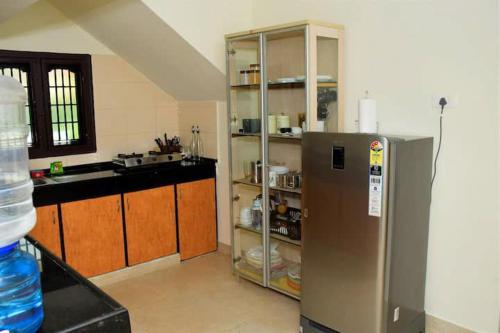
(197, 218)
(150, 224)
(93, 235)
(46, 230)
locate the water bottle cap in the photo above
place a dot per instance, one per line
(6, 249)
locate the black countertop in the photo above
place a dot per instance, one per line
(73, 304)
(101, 179)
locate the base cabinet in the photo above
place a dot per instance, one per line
(197, 218)
(47, 230)
(93, 235)
(150, 224)
(105, 234)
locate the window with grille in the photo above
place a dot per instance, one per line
(59, 107)
(20, 73)
(64, 106)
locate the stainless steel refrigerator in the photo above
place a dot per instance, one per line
(366, 205)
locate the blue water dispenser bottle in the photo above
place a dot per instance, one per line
(21, 309)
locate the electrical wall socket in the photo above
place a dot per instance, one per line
(452, 100)
(396, 314)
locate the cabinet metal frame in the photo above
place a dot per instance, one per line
(310, 30)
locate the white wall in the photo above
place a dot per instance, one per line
(403, 52)
(204, 115)
(41, 27)
(204, 23)
(130, 110)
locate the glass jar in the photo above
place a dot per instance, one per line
(254, 76)
(244, 77)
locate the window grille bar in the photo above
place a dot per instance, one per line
(57, 107)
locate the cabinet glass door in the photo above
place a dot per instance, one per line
(286, 119)
(245, 121)
(325, 80)
(327, 83)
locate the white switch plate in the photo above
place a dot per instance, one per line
(452, 100)
(396, 314)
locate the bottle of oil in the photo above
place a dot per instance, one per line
(199, 144)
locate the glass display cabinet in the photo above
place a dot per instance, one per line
(281, 82)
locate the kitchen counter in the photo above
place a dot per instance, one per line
(101, 179)
(72, 303)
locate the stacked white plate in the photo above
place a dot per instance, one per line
(246, 216)
(255, 256)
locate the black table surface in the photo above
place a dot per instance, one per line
(72, 303)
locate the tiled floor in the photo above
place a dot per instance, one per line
(201, 295)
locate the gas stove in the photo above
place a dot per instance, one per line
(136, 160)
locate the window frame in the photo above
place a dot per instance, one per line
(39, 65)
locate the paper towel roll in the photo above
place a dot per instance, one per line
(271, 123)
(283, 121)
(367, 115)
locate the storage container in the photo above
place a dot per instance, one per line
(14, 166)
(244, 77)
(254, 76)
(21, 309)
(16, 228)
(19, 192)
(15, 210)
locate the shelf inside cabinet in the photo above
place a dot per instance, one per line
(284, 85)
(239, 135)
(281, 285)
(247, 272)
(246, 181)
(272, 235)
(279, 279)
(272, 137)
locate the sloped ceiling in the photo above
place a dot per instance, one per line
(9, 8)
(134, 32)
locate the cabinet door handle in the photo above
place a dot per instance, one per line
(54, 218)
(236, 197)
(128, 204)
(118, 205)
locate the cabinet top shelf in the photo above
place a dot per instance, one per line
(286, 26)
(272, 137)
(287, 85)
